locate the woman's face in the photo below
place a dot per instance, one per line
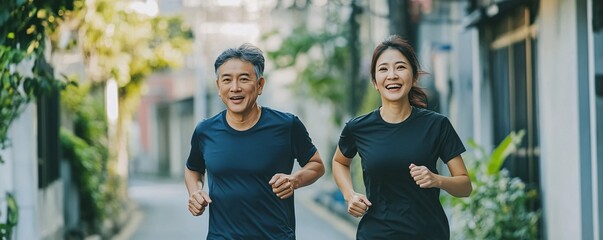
(393, 76)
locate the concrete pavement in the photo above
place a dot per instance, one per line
(161, 213)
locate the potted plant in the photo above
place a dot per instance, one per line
(498, 207)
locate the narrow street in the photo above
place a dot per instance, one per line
(161, 213)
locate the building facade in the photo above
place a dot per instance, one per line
(537, 66)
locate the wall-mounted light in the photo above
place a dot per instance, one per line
(111, 100)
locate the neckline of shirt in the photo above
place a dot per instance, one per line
(412, 114)
(233, 130)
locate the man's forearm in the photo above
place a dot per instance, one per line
(311, 172)
(193, 180)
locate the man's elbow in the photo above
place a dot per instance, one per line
(321, 170)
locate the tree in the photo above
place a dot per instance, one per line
(119, 43)
(125, 46)
(328, 60)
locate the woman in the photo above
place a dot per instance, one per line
(399, 144)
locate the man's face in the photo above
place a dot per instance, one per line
(238, 86)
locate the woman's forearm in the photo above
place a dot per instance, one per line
(343, 179)
(458, 186)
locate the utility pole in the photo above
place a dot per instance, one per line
(356, 88)
(400, 22)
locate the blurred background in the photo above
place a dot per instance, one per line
(99, 98)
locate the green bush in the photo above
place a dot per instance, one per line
(24, 27)
(12, 217)
(87, 169)
(86, 151)
(498, 206)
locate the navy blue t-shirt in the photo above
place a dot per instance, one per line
(401, 209)
(240, 164)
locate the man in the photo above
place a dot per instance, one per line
(248, 152)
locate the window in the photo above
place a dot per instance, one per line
(48, 139)
(512, 63)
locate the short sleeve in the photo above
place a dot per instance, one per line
(303, 148)
(450, 142)
(195, 159)
(347, 142)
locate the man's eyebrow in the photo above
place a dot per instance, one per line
(229, 75)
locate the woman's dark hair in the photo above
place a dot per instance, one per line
(416, 96)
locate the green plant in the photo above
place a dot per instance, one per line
(24, 26)
(327, 60)
(86, 151)
(498, 206)
(127, 46)
(87, 165)
(6, 229)
(25, 74)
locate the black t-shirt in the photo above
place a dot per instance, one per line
(239, 166)
(401, 209)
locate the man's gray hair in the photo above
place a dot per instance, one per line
(247, 53)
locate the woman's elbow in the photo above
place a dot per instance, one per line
(467, 190)
(467, 193)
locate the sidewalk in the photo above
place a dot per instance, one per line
(160, 213)
(320, 218)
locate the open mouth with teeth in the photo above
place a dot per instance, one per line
(393, 86)
(236, 99)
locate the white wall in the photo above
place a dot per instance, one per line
(40, 210)
(559, 119)
(49, 212)
(20, 173)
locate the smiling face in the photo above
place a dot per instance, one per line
(393, 76)
(238, 86)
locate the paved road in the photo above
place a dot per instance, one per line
(162, 214)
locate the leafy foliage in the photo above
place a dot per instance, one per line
(120, 43)
(498, 206)
(116, 42)
(87, 165)
(25, 74)
(11, 98)
(6, 229)
(86, 151)
(24, 26)
(128, 46)
(322, 59)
